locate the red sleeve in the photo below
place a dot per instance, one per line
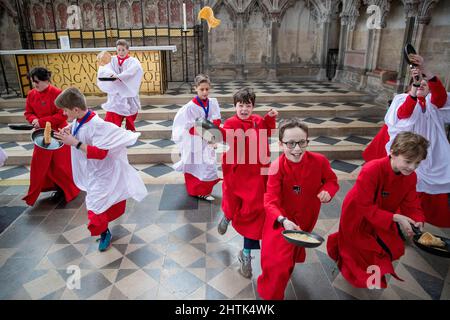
(272, 200)
(406, 109)
(271, 123)
(329, 179)
(366, 188)
(438, 92)
(56, 119)
(411, 206)
(96, 153)
(29, 112)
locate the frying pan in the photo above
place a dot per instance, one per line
(441, 252)
(304, 244)
(409, 49)
(38, 138)
(20, 126)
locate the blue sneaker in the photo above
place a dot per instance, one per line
(105, 241)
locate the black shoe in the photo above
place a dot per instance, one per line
(57, 195)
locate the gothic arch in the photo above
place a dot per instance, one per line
(253, 6)
(221, 4)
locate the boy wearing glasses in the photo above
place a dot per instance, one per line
(299, 182)
(244, 176)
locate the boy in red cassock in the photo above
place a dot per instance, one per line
(244, 176)
(299, 182)
(370, 227)
(423, 110)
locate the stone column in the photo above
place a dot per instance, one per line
(274, 30)
(349, 15)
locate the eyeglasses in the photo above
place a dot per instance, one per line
(293, 144)
(35, 81)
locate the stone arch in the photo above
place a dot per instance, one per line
(219, 5)
(256, 36)
(298, 45)
(255, 6)
(223, 40)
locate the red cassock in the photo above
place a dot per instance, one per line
(435, 206)
(244, 179)
(367, 234)
(49, 169)
(291, 192)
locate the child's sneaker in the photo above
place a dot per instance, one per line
(246, 265)
(223, 225)
(105, 241)
(207, 198)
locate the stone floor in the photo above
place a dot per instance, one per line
(167, 247)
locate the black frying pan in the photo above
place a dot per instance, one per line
(38, 138)
(300, 243)
(107, 79)
(437, 251)
(20, 126)
(409, 49)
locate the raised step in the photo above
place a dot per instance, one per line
(157, 129)
(266, 92)
(165, 151)
(298, 109)
(162, 173)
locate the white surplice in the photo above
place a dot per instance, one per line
(433, 172)
(3, 157)
(123, 94)
(112, 179)
(197, 157)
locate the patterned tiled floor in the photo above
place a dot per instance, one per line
(167, 247)
(163, 173)
(268, 87)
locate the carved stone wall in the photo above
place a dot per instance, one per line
(281, 39)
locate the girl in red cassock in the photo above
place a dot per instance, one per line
(50, 169)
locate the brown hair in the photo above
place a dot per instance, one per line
(201, 78)
(71, 98)
(410, 145)
(122, 42)
(289, 124)
(244, 95)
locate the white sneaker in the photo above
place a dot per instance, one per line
(207, 198)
